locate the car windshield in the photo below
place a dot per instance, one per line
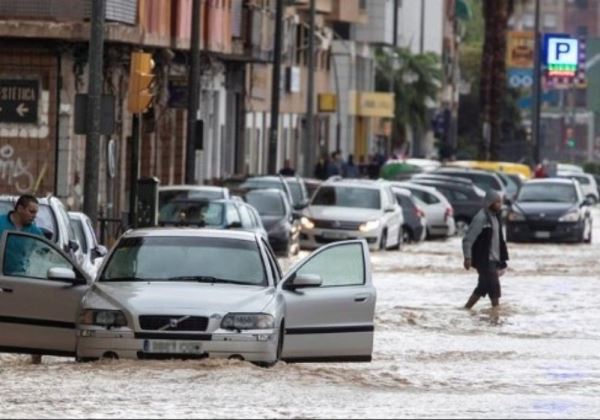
(44, 220)
(362, 198)
(167, 196)
(267, 204)
(547, 192)
(185, 258)
(296, 189)
(261, 184)
(200, 212)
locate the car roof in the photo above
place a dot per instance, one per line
(459, 170)
(265, 178)
(446, 184)
(362, 183)
(266, 191)
(421, 187)
(190, 232)
(191, 188)
(401, 190)
(565, 181)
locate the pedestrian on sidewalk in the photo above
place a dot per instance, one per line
(21, 219)
(484, 248)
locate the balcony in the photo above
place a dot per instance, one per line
(123, 11)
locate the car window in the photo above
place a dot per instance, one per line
(548, 193)
(342, 265)
(426, 197)
(460, 196)
(92, 232)
(232, 215)
(44, 220)
(62, 213)
(30, 257)
(80, 233)
(275, 269)
(245, 217)
(255, 216)
(296, 190)
(267, 204)
(352, 197)
(196, 211)
(171, 257)
(167, 196)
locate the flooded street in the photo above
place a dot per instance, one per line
(539, 358)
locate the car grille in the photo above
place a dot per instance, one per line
(545, 226)
(335, 224)
(164, 323)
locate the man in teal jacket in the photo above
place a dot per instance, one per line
(21, 219)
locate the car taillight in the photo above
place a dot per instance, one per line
(449, 213)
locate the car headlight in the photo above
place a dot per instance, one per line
(239, 322)
(369, 226)
(572, 216)
(307, 223)
(514, 216)
(102, 317)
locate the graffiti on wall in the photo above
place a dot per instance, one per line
(14, 172)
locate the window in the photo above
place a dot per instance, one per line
(169, 257)
(232, 215)
(425, 197)
(342, 265)
(80, 233)
(30, 257)
(348, 197)
(246, 218)
(275, 269)
(460, 196)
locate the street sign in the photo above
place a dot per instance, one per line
(520, 49)
(19, 101)
(520, 78)
(561, 55)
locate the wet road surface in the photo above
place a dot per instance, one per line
(540, 357)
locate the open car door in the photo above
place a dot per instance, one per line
(330, 306)
(40, 293)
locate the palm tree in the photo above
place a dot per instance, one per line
(496, 14)
(416, 80)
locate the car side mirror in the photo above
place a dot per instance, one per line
(63, 274)
(306, 280)
(73, 246)
(99, 252)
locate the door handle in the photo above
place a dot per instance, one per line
(361, 298)
(3, 290)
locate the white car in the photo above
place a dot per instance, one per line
(168, 193)
(588, 184)
(92, 253)
(353, 209)
(175, 293)
(438, 210)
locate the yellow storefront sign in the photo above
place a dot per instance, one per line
(327, 102)
(520, 50)
(372, 104)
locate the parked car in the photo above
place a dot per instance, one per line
(415, 222)
(353, 209)
(433, 176)
(216, 214)
(466, 200)
(53, 220)
(175, 293)
(438, 210)
(588, 184)
(92, 252)
(277, 216)
(311, 186)
(550, 209)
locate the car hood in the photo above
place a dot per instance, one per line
(549, 209)
(177, 297)
(343, 213)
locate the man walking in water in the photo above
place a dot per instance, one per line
(484, 249)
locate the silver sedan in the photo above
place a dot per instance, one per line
(188, 293)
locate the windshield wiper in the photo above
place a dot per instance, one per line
(206, 279)
(117, 279)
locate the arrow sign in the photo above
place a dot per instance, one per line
(22, 109)
(19, 99)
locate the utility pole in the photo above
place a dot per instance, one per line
(309, 139)
(276, 88)
(193, 95)
(92, 144)
(422, 29)
(391, 145)
(536, 94)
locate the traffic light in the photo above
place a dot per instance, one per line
(570, 140)
(140, 82)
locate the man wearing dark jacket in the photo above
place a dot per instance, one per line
(484, 249)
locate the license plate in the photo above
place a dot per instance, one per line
(334, 235)
(172, 347)
(542, 234)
